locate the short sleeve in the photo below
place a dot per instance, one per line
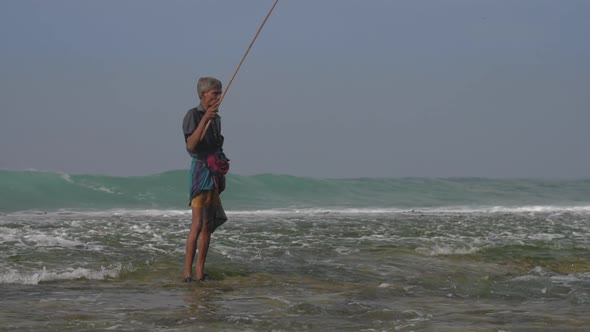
(189, 124)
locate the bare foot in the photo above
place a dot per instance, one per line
(188, 278)
(205, 277)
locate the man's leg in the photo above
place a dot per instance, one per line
(204, 237)
(193, 235)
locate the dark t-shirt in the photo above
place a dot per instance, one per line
(213, 140)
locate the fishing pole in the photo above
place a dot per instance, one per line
(240, 64)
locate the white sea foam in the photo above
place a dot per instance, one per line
(150, 247)
(446, 251)
(8, 234)
(504, 209)
(429, 210)
(42, 240)
(545, 236)
(583, 209)
(346, 250)
(539, 273)
(66, 177)
(317, 211)
(106, 213)
(104, 189)
(33, 278)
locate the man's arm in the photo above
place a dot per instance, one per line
(194, 139)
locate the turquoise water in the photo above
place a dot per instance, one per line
(51, 191)
(98, 253)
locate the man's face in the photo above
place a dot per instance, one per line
(210, 97)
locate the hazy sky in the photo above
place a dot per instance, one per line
(332, 88)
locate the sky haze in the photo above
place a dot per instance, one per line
(345, 88)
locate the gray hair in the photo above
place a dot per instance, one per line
(207, 83)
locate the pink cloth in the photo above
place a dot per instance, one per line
(218, 163)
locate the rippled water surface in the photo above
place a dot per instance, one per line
(308, 270)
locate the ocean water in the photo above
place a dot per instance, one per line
(98, 253)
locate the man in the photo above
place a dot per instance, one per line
(207, 179)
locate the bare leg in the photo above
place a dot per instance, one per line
(191, 242)
(203, 242)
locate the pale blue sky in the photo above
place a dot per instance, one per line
(336, 88)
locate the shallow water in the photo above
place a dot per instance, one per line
(306, 270)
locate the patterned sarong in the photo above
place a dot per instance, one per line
(205, 189)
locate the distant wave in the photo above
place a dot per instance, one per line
(47, 191)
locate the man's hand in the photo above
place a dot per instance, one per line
(211, 111)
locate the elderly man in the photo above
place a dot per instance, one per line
(207, 174)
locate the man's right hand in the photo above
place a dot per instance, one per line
(211, 111)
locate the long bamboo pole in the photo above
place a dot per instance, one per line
(240, 64)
